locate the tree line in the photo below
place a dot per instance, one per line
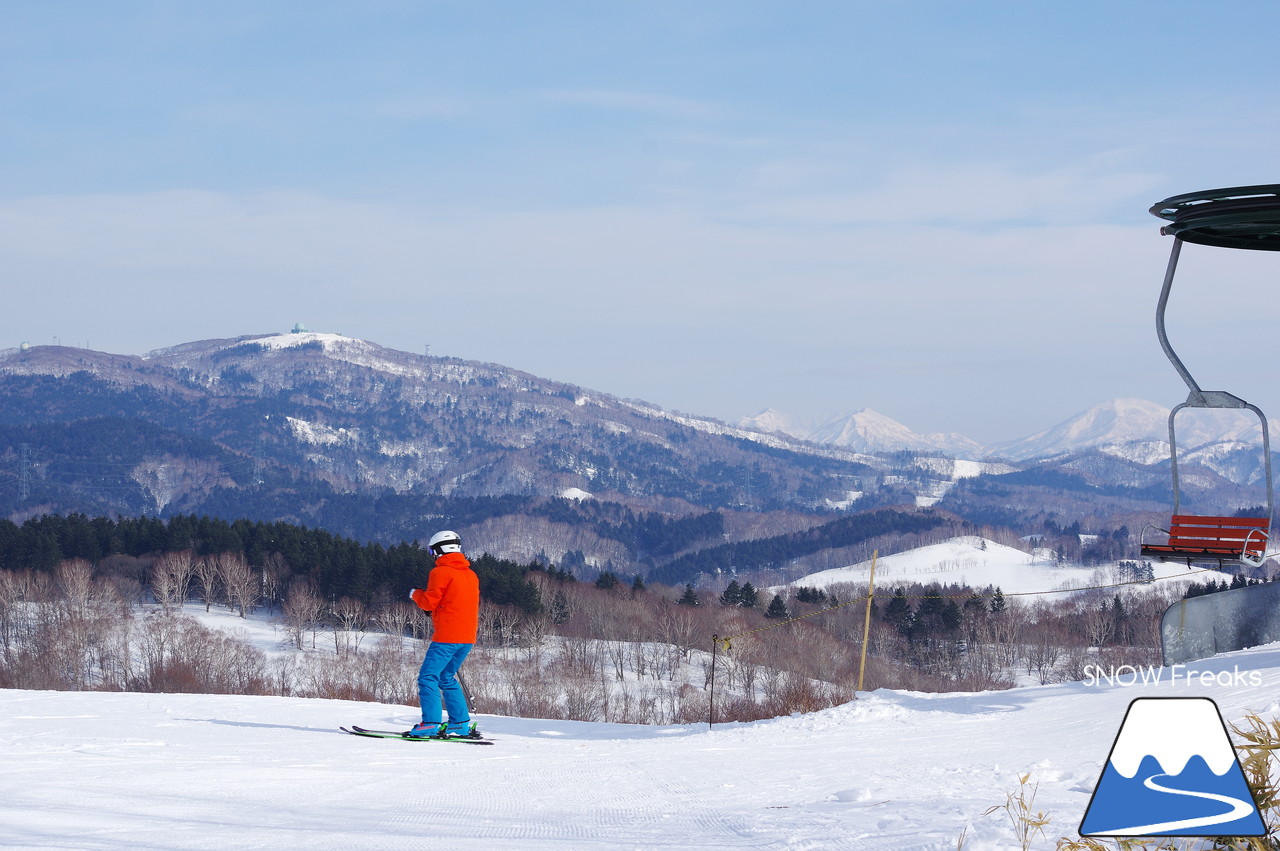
(335, 566)
(777, 550)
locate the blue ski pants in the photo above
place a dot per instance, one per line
(438, 677)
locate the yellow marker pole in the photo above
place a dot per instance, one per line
(866, 624)
(711, 703)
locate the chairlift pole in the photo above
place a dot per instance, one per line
(866, 623)
(1161, 332)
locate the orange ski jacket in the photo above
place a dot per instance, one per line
(452, 596)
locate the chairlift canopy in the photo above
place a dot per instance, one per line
(1240, 217)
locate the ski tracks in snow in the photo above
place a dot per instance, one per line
(514, 805)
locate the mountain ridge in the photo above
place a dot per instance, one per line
(1111, 423)
(373, 444)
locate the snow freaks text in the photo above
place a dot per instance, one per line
(1174, 675)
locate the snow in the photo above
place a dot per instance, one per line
(850, 497)
(714, 427)
(299, 338)
(891, 770)
(864, 431)
(979, 562)
(336, 346)
(317, 434)
(1128, 428)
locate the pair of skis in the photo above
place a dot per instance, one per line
(388, 734)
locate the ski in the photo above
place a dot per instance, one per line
(389, 734)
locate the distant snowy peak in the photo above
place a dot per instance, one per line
(1134, 428)
(1114, 422)
(863, 431)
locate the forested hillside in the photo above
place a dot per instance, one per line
(380, 446)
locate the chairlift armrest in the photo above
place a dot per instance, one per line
(1142, 537)
(1262, 543)
(1262, 548)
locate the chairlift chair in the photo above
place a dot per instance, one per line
(1243, 217)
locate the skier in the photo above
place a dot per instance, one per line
(452, 598)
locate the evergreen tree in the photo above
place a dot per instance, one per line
(732, 595)
(749, 598)
(637, 585)
(690, 597)
(777, 608)
(560, 608)
(811, 595)
(998, 603)
(1119, 621)
(951, 616)
(607, 581)
(898, 612)
(928, 616)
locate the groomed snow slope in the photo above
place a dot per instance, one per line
(892, 770)
(978, 562)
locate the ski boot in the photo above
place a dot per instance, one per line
(463, 730)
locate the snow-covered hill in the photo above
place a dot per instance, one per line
(891, 770)
(977, 562)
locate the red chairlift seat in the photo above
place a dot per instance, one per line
(1220, 539)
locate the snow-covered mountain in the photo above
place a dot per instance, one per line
(862, 431)
(1116, 421)
(1135, 429)
(1126, 422)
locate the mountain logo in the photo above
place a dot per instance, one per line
(1172, 772)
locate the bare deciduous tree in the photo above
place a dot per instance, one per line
(350, 619)
(171, 577)
(395, 618)
(75, 582)
(242, 585)
(275, 577)
(207, 573)
(301, 610)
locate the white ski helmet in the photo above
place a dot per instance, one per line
(445, 542)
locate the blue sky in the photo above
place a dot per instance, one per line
(933, 209)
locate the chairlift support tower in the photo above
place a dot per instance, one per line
(24, 474)
(1244, 217)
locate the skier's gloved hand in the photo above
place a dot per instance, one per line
(419, 597)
